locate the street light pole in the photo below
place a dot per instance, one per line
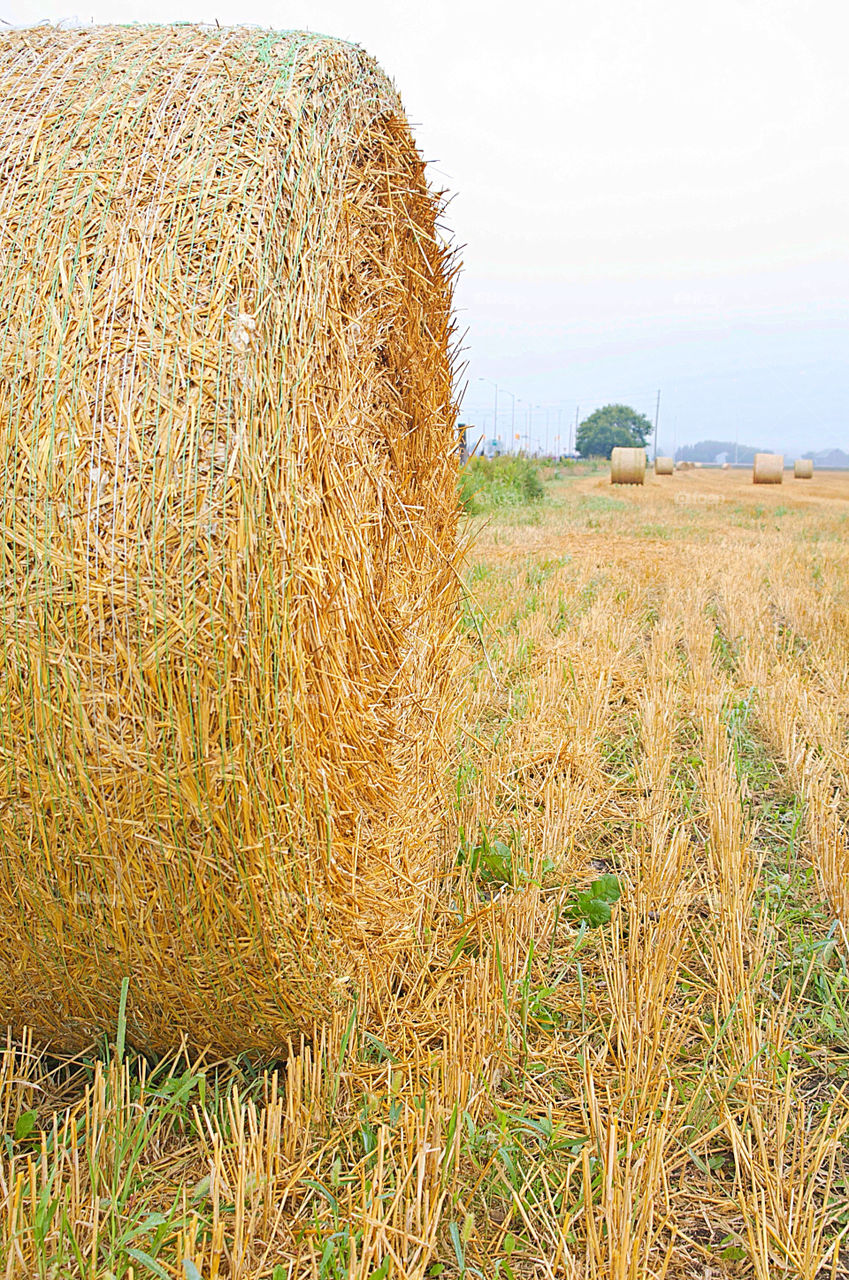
(495, 407)
(512, 412)
(656, 416)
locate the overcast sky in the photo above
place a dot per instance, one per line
(650, 194)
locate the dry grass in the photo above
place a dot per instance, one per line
(657, 691)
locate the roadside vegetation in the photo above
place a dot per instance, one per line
(622, 1050)
(488, 484)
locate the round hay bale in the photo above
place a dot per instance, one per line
(803, 469)
(228, 599)
(664, 466)
(726, 466)
(768, 468)
(627, 466)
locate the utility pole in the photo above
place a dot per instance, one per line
(505, 392)
(656, 416)
(574, 444)
(494, 416)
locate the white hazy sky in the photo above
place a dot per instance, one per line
(651, 194)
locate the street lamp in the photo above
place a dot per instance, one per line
(513, 409)
(519, 400)
(495, 407)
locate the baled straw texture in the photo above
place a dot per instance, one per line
(768, 468)
(664, 466)
(227, 597)
(627, 466)
(803, 469)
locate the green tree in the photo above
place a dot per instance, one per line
(613, 425)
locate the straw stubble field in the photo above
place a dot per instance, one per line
(657, 703)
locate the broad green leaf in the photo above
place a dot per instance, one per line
(139, 1255)
(606, 888)
(24, 1125)
(594, 910)
(593, 903)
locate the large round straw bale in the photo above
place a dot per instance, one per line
(664, 466)
(803, 469)
(227, 601)
(768, 468)
(627, 466)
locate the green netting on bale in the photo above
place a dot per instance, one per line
(227, 527)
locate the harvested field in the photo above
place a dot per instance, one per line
(564, 1083)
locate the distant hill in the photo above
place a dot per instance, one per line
(829, 458)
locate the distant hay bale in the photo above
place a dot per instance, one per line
(768, 468)
(627, 466)
(803, 469)
(684, 466)
(726, 466)
(228, 597)
(664, 466)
